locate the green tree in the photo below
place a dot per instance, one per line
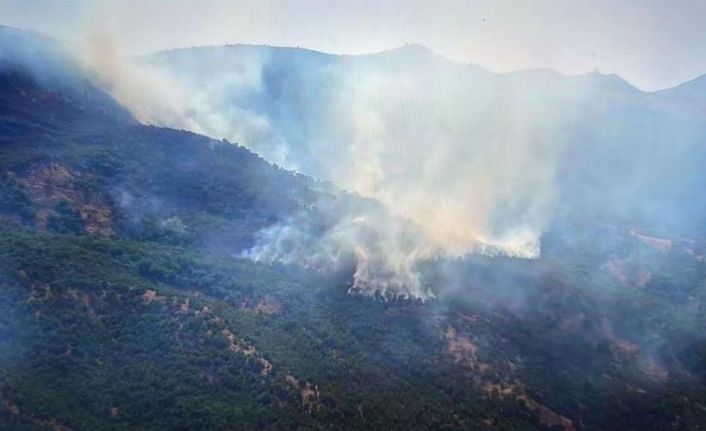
(65, 219)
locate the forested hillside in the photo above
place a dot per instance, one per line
(125, 302)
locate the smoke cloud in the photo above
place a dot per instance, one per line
(460, 160)
(461, 163)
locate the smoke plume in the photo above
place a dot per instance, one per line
(461, 163)
(462, 160)
(442, 159)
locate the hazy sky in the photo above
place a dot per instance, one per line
(653, 44)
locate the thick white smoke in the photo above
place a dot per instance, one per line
(345, 232)
(461, 160)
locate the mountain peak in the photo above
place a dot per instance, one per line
(411, 50)
(415, 48)
(607, 81)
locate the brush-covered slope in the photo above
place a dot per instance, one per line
(123, 307)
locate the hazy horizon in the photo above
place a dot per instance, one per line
(572, 38)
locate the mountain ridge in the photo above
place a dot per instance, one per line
(421, 49)
(409, 47)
